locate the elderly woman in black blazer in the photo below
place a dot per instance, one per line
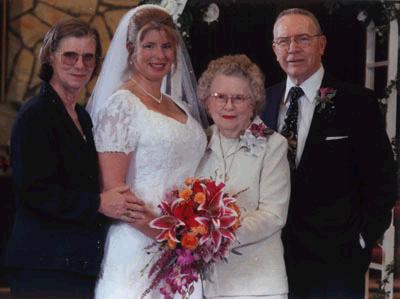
(57, 243)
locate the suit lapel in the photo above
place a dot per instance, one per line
(314, 137)
(316, 134)
(273, 101)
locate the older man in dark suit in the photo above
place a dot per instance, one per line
(343, 175)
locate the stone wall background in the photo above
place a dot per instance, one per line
(28, 22)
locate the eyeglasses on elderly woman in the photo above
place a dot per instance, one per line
(236, 99)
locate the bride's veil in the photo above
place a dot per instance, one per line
(179, 84)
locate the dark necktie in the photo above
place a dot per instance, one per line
(289, 129)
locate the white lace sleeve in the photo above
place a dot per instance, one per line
(114, 128)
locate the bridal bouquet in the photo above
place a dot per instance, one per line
(198, 224)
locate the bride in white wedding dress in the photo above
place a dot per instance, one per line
(145, 138)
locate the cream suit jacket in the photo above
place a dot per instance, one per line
(260, 269)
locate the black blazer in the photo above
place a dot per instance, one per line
(342, 187)
(55, 172)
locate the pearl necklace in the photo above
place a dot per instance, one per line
(158, 100)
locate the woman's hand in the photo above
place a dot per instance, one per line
(142, 223)
(120, 203)
(138, 215)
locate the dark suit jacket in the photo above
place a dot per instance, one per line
(55, 172)
(342, 188)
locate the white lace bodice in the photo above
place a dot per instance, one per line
(164, 152)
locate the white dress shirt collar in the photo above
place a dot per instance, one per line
(310, 86)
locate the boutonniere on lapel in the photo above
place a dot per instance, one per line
(325, 104)
(254, 138)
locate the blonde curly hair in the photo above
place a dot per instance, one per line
(234, 65)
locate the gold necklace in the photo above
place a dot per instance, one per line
(158, 100)
(226, 167)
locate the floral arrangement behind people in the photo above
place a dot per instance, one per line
(184, 17)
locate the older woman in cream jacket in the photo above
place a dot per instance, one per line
(251, 159)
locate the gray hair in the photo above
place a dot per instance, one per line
(299, 11)
(234, 65)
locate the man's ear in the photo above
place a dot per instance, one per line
(273, 47)
(322, 44)
(275, 51)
